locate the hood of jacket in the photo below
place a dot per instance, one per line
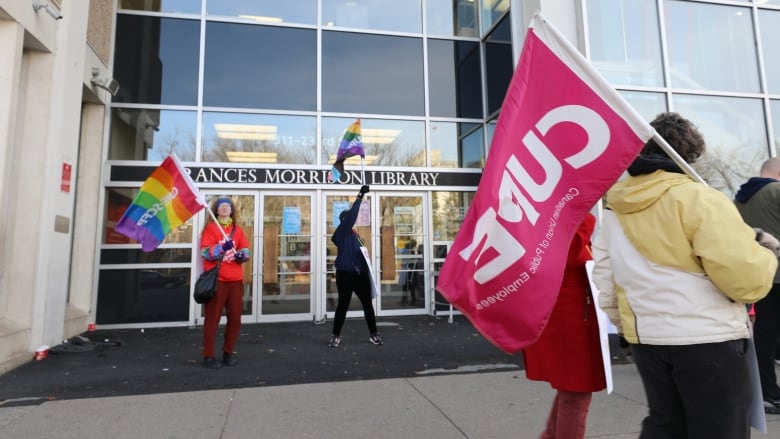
(750, 187)
(637, 193)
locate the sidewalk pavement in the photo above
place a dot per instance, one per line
(472, 401)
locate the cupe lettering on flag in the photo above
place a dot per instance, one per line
(165, 201)
(351, 145)
(563, 137)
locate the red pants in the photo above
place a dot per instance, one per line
(568, 416)
(229, 297)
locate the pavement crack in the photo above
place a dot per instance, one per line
(227, 413)
(446, 416)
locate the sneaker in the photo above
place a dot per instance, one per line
(334, 341)
(375, 339)
(228, 359)
(211, 363)
(771, 409)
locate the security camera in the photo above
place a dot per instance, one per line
(51, 10)
(109, 84)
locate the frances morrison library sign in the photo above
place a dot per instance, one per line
(262, 176)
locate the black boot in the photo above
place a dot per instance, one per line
(211, 363)
(228, 359)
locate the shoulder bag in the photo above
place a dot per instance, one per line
(206, 285)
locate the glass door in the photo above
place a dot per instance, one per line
(334, 204)
(402, 259)
(246, 205)
(285, 256)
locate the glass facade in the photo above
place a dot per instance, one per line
(710, 61)
(254, 96)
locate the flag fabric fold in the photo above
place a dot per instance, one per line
(351, 145)
(563, 137)
(165, 201)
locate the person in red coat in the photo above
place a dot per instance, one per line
(233, 251)
(568, 352)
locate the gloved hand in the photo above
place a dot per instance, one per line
(241, 257)
(767, 241)
(227, 245)
(363, 191)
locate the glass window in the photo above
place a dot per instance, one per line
(151, 134)
(735, 132)
(711, 47)
(492, 10)
(454, 79)
(769, 22)
(266, 11)
(376, 15)
(647, 104)
(372, 74)
(138, 256)
(457, 145)
(774, 107)
(625, 41)
(251, 66)
(449, 210)
(385, 142)
(156, 60)
(498, 64)
(117, 201)
(184, 6)
(259, 138)
(452, 17)
(491, 129)
(143, 295)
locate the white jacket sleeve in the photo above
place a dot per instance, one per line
(602, 277)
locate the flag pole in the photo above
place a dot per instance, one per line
(363, 169)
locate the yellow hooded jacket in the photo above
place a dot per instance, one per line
(675, 263)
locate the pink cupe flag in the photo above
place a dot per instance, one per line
(564, 136)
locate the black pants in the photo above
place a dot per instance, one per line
(698, 391)
(346, 283)
(765, 332)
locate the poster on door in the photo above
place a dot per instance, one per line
(291, 221)
(403, 219)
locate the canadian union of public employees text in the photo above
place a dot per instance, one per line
(536, 261)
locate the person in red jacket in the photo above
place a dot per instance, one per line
(233, 251)
(568, 353)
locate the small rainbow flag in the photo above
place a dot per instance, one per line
(165, 201)
(351, 145)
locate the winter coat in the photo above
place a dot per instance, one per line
(758, 201)
(675, 263)
(349, 257)
(211, 251)
(568, 352)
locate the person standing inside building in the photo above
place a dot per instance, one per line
(232, 251)
(758, 200)
(675, 265)
(352, 273)
(568, 353)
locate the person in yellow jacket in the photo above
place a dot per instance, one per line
(675, 265)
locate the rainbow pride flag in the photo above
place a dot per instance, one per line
(351, 145)
(165, 201)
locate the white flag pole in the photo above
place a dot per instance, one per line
(363, 169)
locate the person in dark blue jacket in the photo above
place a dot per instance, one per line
(352, 274)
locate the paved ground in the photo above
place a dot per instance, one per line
(441, 380)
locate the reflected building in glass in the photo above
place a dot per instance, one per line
(254, 97)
